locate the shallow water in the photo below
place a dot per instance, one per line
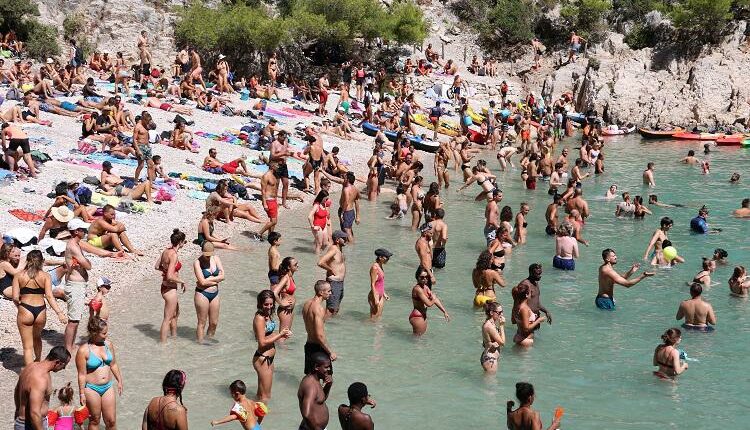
(595, 364)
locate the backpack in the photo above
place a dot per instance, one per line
(238, 189)
(83, 195)
(78, 56)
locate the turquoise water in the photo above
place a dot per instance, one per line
(595, 364)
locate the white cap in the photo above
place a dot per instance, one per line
(103, 281)
(50, 61)
(222, 56)
(78, 224)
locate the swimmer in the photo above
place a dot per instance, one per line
(699, 224)
(377, 296)
(551, 214)
(423, 297)
(485, 180)
(493, 336)
(739, 284)
(609, 277)
(690, 159)
(625, 207)
(611, 192)
(526, 320)
(667, 356)
(703, 277)
(719, 257)
(666, 224)
(648, 175)
(735, 178)
(698, 314)
(521, 223)
(653, 199)
(744, 211)
(566, 248)
(525, 418)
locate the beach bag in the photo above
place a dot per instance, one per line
(238, 189)
(39, 156)
(83, 195)
(92, 180)
(209, 186)
(14, 94)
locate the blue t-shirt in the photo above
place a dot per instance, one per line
(699, 225)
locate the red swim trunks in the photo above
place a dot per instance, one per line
(531, 183)
(323, 97)
(231, 167)
(273, 208)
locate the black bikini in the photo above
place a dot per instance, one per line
(35, 310)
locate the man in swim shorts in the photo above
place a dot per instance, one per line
(349, 206)
(269, 191)
(212, 164)
(491, 215)
(334, 263)
(699, 314)
(141, 143)
(608, 277)
(314, 316)
(17, 138)
(439, 238)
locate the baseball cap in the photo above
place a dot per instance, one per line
(107, 165)
(103, 282)
(338, 234)
(425, 227)
(78, 224)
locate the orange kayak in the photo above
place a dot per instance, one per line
(730, 140)
(658, 134)
(697, 136)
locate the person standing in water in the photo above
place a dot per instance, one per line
(526, 418)
(312, 395)
(334, 263)
(284, 290)
(314, 316)
(274, 257)
(377, 296)
(439, 238)
(648, 175)
(660, 234)
(351, 417)
(608, 277)
(209, 272)
(243, 409)
(163, 412)
(422, 297)
(491, 218)
(667, 356)
(699, 314)
(264, 327)
(423, 248)
(169, 265)
(493, 336)
(532, 283)
(31, 396)
(349, 206)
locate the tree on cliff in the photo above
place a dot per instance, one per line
(20, 16)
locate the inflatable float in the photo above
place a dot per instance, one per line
(618, 131)
(418, 142)
(730, 140)
(445, 127)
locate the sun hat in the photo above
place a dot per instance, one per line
(382, 252)
(62, 214)
(103, 282)
(78, 224)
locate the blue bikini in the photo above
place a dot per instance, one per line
(94, 362)
(207, 294)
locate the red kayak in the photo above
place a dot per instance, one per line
(696, 136)
(730, 140)
(476, 137)
(658, 134)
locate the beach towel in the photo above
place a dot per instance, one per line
(198, 195)
(98, 199)
(21, 236)
(25, 215)
(100, 156)
(86, 146)
(6, 174)
(53, 246)
(84, 163)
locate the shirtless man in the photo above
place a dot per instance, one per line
(608, 277)
(196, 71)
(535, 302)
(107, 232)
(77, 275)
(269, 191)
(334, 263)
(423, 247)
(312, 396)
(213, 165)
(491, 215)
(744, 211)
(578, 203)
(551, 215)
(314, 152)
(112, 185)
(314, 317)
(439, 238)
(699, 314)
(575, 46)
(141, 144)
(659, 235)
(690, 159)
(648, 175)
(349, 206)
(145, 56)
(351, 417)
(33, 390)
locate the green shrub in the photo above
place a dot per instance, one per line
(587, 17)
(640, 37)
(42, 40)
(13, 13)
(509, 22)
(702, 21)
(407, 23)
(73, 26)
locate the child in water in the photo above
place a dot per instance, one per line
(64, 413)
(246, 411)
(400, 206)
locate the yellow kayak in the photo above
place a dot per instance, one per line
(445, 127)
(476, 117)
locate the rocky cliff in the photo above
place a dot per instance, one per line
(114, 25)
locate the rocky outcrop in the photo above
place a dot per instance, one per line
(113, 26)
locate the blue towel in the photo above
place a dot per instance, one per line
(99, 156)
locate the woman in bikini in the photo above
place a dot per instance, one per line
(704, 276)
(524, 317)
(484, 277)
(377, 296)
(169, 265)
(284, 291)
(319, 219)
(667, 356)
(222, 68)
(209, 272)
(485, 180)
(30, 288)
(163, 412)
(206, 231)
(96, 364)
(264, 327)
(493, 336)
(503, 242)
(422, 298)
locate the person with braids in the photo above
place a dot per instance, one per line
(667, 356)
(351, 417)
(163, 412)
(169, 265)
(526, 418)
(264, 327)
(284, 290)
(96, 364)
(30, 288)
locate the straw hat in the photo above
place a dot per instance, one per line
(62, 214)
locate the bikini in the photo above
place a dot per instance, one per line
(416, 313)
(270, 328)
(163, 269)
(35, 310)
(94, 362)
(290, 289)
(208, 294)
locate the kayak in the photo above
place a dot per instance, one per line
(445, 127)
(419, 143)
(618, 131)
(696, 136)
(476, 117)
(658, 134)
(745, 143)
(730, 140)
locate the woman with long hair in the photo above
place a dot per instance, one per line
(417, 196)
(484, 277)
(264, 327)
(284, 290)
(159, 413)
(32, 310)
(493, 336)
(319, 218)
(169, 265)
(96, 363)
(739, 285)
(423, 297)
(209, 272)
(524, 317)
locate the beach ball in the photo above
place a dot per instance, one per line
(670, 253)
